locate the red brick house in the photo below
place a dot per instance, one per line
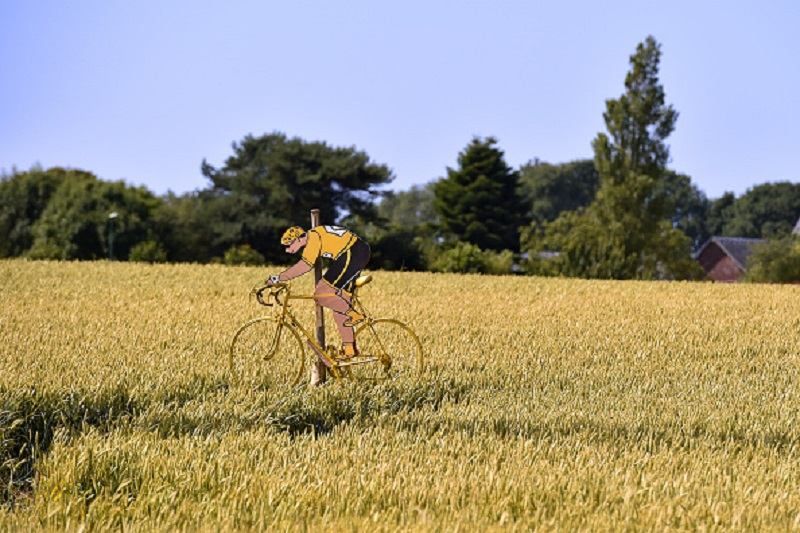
(725, 258)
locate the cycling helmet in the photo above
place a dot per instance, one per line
(291, 234)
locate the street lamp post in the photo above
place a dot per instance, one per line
(112, 216)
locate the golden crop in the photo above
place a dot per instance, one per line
(548, 404)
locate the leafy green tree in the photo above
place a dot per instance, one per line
(766, 210)
(464, 258)
(467, 258)
(549, 190)
(392, 247)
(75, 223)
(479, 202)
(397, 237)
(23, 199)
(720, 212)
(242, 254)
(688, 206)
(396, 249)
(498, 262)
(775, 261)
(148, 252)
(553, 189)
(184, 225)
(627, 232)
(409, 209)
(271, 182)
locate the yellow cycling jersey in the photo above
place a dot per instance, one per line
(327, 241)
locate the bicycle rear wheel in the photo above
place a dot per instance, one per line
(266, 355)
(388, 349)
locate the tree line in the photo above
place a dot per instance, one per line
(621, 215)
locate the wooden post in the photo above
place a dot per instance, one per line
(318, 371)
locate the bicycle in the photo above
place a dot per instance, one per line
(388, 348)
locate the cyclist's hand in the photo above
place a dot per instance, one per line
(273, 280)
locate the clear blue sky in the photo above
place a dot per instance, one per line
(144, 90)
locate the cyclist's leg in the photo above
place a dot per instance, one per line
(346, 332)
(338, 302)
(358, 259)
(329, 296)
(334, 291)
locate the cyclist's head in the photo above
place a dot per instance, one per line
(291, 234)
(290, 238)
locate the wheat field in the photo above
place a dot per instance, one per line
(549, 404)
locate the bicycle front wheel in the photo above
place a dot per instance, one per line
(387, 349)
(266, 353)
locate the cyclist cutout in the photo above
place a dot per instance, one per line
(349, 255)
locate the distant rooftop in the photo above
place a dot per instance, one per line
(738, 248)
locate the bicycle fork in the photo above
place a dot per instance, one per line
(275, 342)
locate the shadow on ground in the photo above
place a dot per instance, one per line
(30, 419)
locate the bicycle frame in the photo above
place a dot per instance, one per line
(287, 317)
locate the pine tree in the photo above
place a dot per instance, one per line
(272, 181)
(479, 202)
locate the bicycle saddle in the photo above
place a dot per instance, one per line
(363, 280)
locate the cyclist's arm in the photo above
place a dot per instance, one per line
(298, 269)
